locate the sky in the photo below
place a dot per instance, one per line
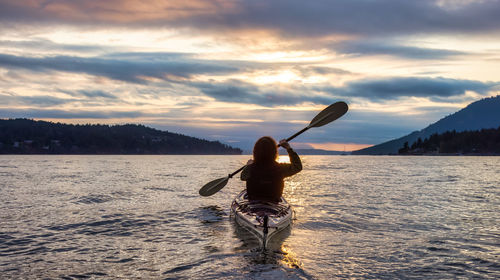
(233, 71)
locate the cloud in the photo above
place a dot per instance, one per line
(291, 17)
(119, 67)
(137, 67)
(320, 70)
(43, 100)
(376, 90)
(383, 48)
(237, 91)
(78, 98)
(47, 45)
(36, 113)
(90, 93)
(179, 69)
(391, 88)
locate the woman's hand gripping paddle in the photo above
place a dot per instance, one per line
(328, 115)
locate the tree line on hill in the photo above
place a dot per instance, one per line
(481, 114)
(24, 136)
(480, 142)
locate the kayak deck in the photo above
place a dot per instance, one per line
(252, 215)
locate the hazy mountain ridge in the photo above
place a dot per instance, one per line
(24, 136)
(484, 113)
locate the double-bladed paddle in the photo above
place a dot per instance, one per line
(328, 115)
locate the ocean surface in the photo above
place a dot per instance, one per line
(356, 217)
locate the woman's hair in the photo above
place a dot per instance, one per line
(265, 150)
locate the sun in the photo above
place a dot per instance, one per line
(282, 77)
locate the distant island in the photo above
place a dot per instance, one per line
(480, 142)
(25, 136)
(482, 114)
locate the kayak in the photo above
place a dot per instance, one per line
(263, 219)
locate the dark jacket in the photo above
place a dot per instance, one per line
(265, 182)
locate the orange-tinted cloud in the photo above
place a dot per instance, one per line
(291, 17)
(119, 11)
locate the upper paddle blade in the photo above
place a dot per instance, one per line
(329, 114)
(213, 186)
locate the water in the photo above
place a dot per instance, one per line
(78, 217)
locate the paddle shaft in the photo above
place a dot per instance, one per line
(297, 134)
(236, 172)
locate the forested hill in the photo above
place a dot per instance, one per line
(23, 136)
(482, 114)
(479, 142)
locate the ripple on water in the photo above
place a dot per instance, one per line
(114, 225)
(161, 189)
(209, 214)
(93, 198)
(90, 275)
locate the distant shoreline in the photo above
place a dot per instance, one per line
(25, 136)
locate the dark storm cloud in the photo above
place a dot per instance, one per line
(391, 88)
(382, 48)
(118, 69)
(292, 17)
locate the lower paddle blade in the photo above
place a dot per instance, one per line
(213, 186)
(329, 114)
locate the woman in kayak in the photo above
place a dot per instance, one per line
(263, 175)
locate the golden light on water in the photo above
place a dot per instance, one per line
(290, 258)
(283, 159)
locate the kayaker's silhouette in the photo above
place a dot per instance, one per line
(264, 175)
(263, 211)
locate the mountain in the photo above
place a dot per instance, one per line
(484, 113)
(23, 136)
(478, 142)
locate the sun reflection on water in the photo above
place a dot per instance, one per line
(289, 257)
(283, 159)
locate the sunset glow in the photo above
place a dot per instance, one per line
(236, 70)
